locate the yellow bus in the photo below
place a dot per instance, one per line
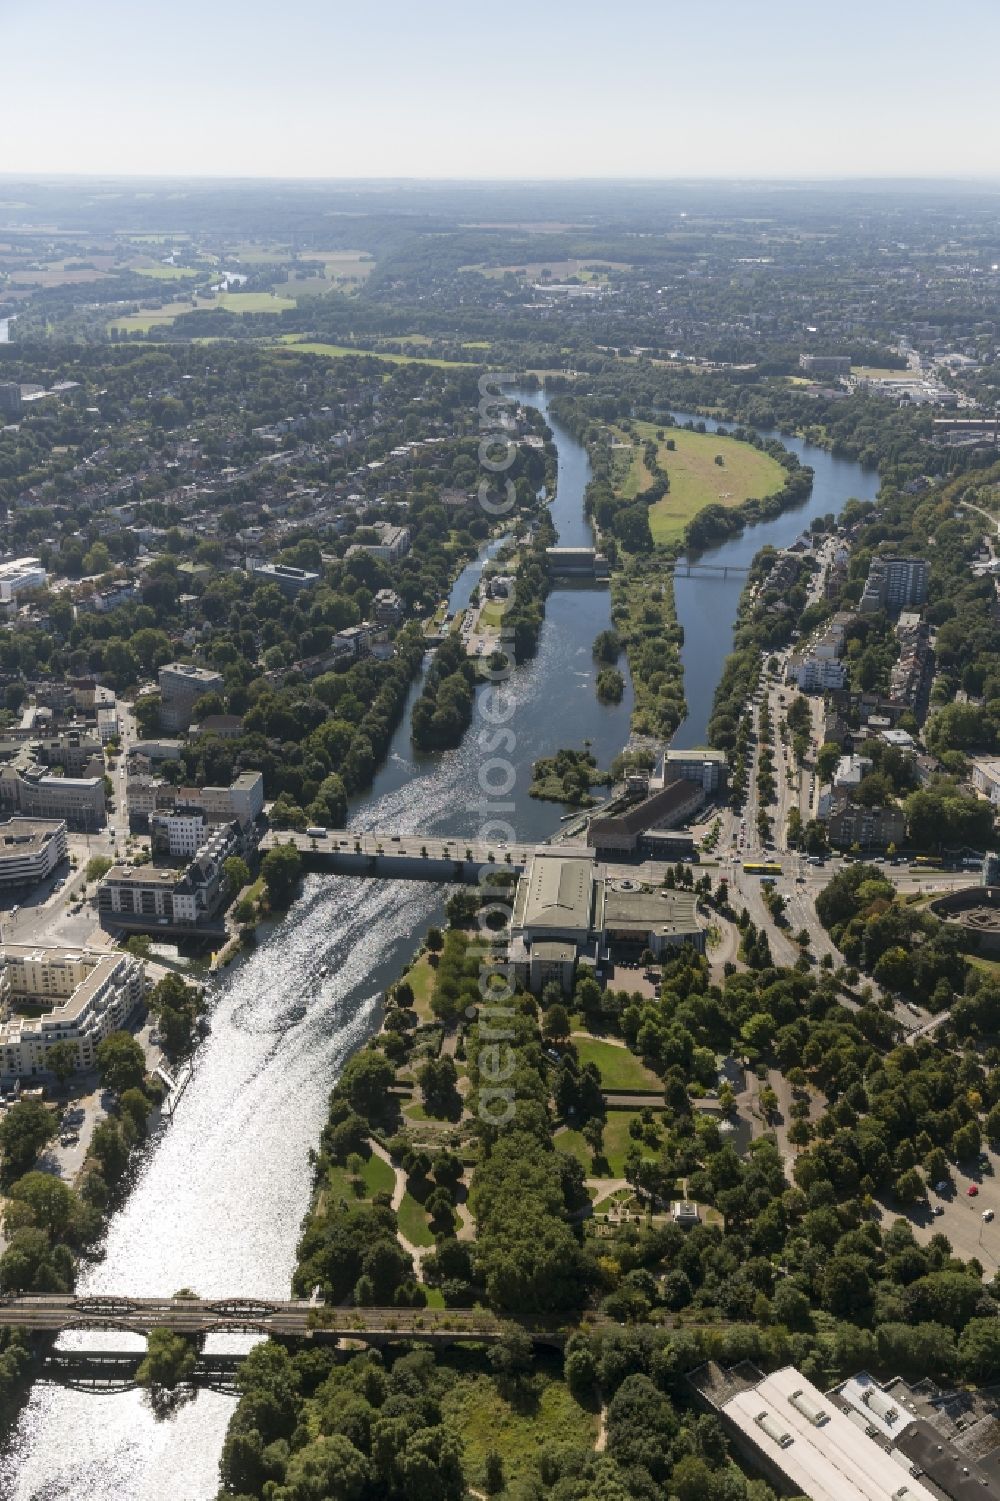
(762, 867)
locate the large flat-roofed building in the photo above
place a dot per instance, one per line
(701, 765)
(804, 1443)
(18, 575)
(30, 850)
(181, 686)
(825, 364)
(555, 899)
(565, 906)
(78, 801)
(241, 803)
(621, 833)
(629, 917)
(816, 674)
(393, 543)
(290, 581)
(77, 996)
(986, 778)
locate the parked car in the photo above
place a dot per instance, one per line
(972, 1190)
(987, 1215)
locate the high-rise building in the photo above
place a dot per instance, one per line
(181, 686)
(10, 399)
(894, 583)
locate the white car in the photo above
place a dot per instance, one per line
(987, 1215)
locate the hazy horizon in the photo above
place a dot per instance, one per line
(655, 93)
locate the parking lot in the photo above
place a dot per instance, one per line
(961, 1217)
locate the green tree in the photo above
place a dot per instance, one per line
(281, 869)
(237, 872)
(62, 1060)
(24, 1130)
(121, 1063)
(170, 1361)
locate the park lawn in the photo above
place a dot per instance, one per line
(413, 1223)
(378, 1175)
(696, 480)
(617, 1142)
(420, 977)
(475, 1409)
(620, 1070)
(492, 615)
(343, 351)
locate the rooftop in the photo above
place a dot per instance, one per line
(823, 1452)
(555, 892)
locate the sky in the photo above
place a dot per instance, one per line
(557, 89)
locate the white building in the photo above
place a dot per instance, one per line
(817, 674)
(30, 850)
(986, 779)
(851, 771)
(803, 1441)
(81, 995)
(179, 833)
(18, 575)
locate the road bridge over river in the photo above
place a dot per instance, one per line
(415, 857)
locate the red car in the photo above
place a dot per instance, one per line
(972, 1190)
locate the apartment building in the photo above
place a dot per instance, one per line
(986, 778)
(869, 828)
(17, 575)
(388, 607)
(894, 583)
(825, 364)
(75, 996)
(181, 685)
(145, 899)
(815, 674)
(393, 543)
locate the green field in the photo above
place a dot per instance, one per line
(232, 302)
(165, 273)
(617, 1142)
(412, 1222)
(378, 1175)
(696, 480)
(485, 1419)
(619, 1069)
(341, 351)
(874, 372)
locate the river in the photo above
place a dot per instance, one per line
(217, 1202)
(706, 605)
